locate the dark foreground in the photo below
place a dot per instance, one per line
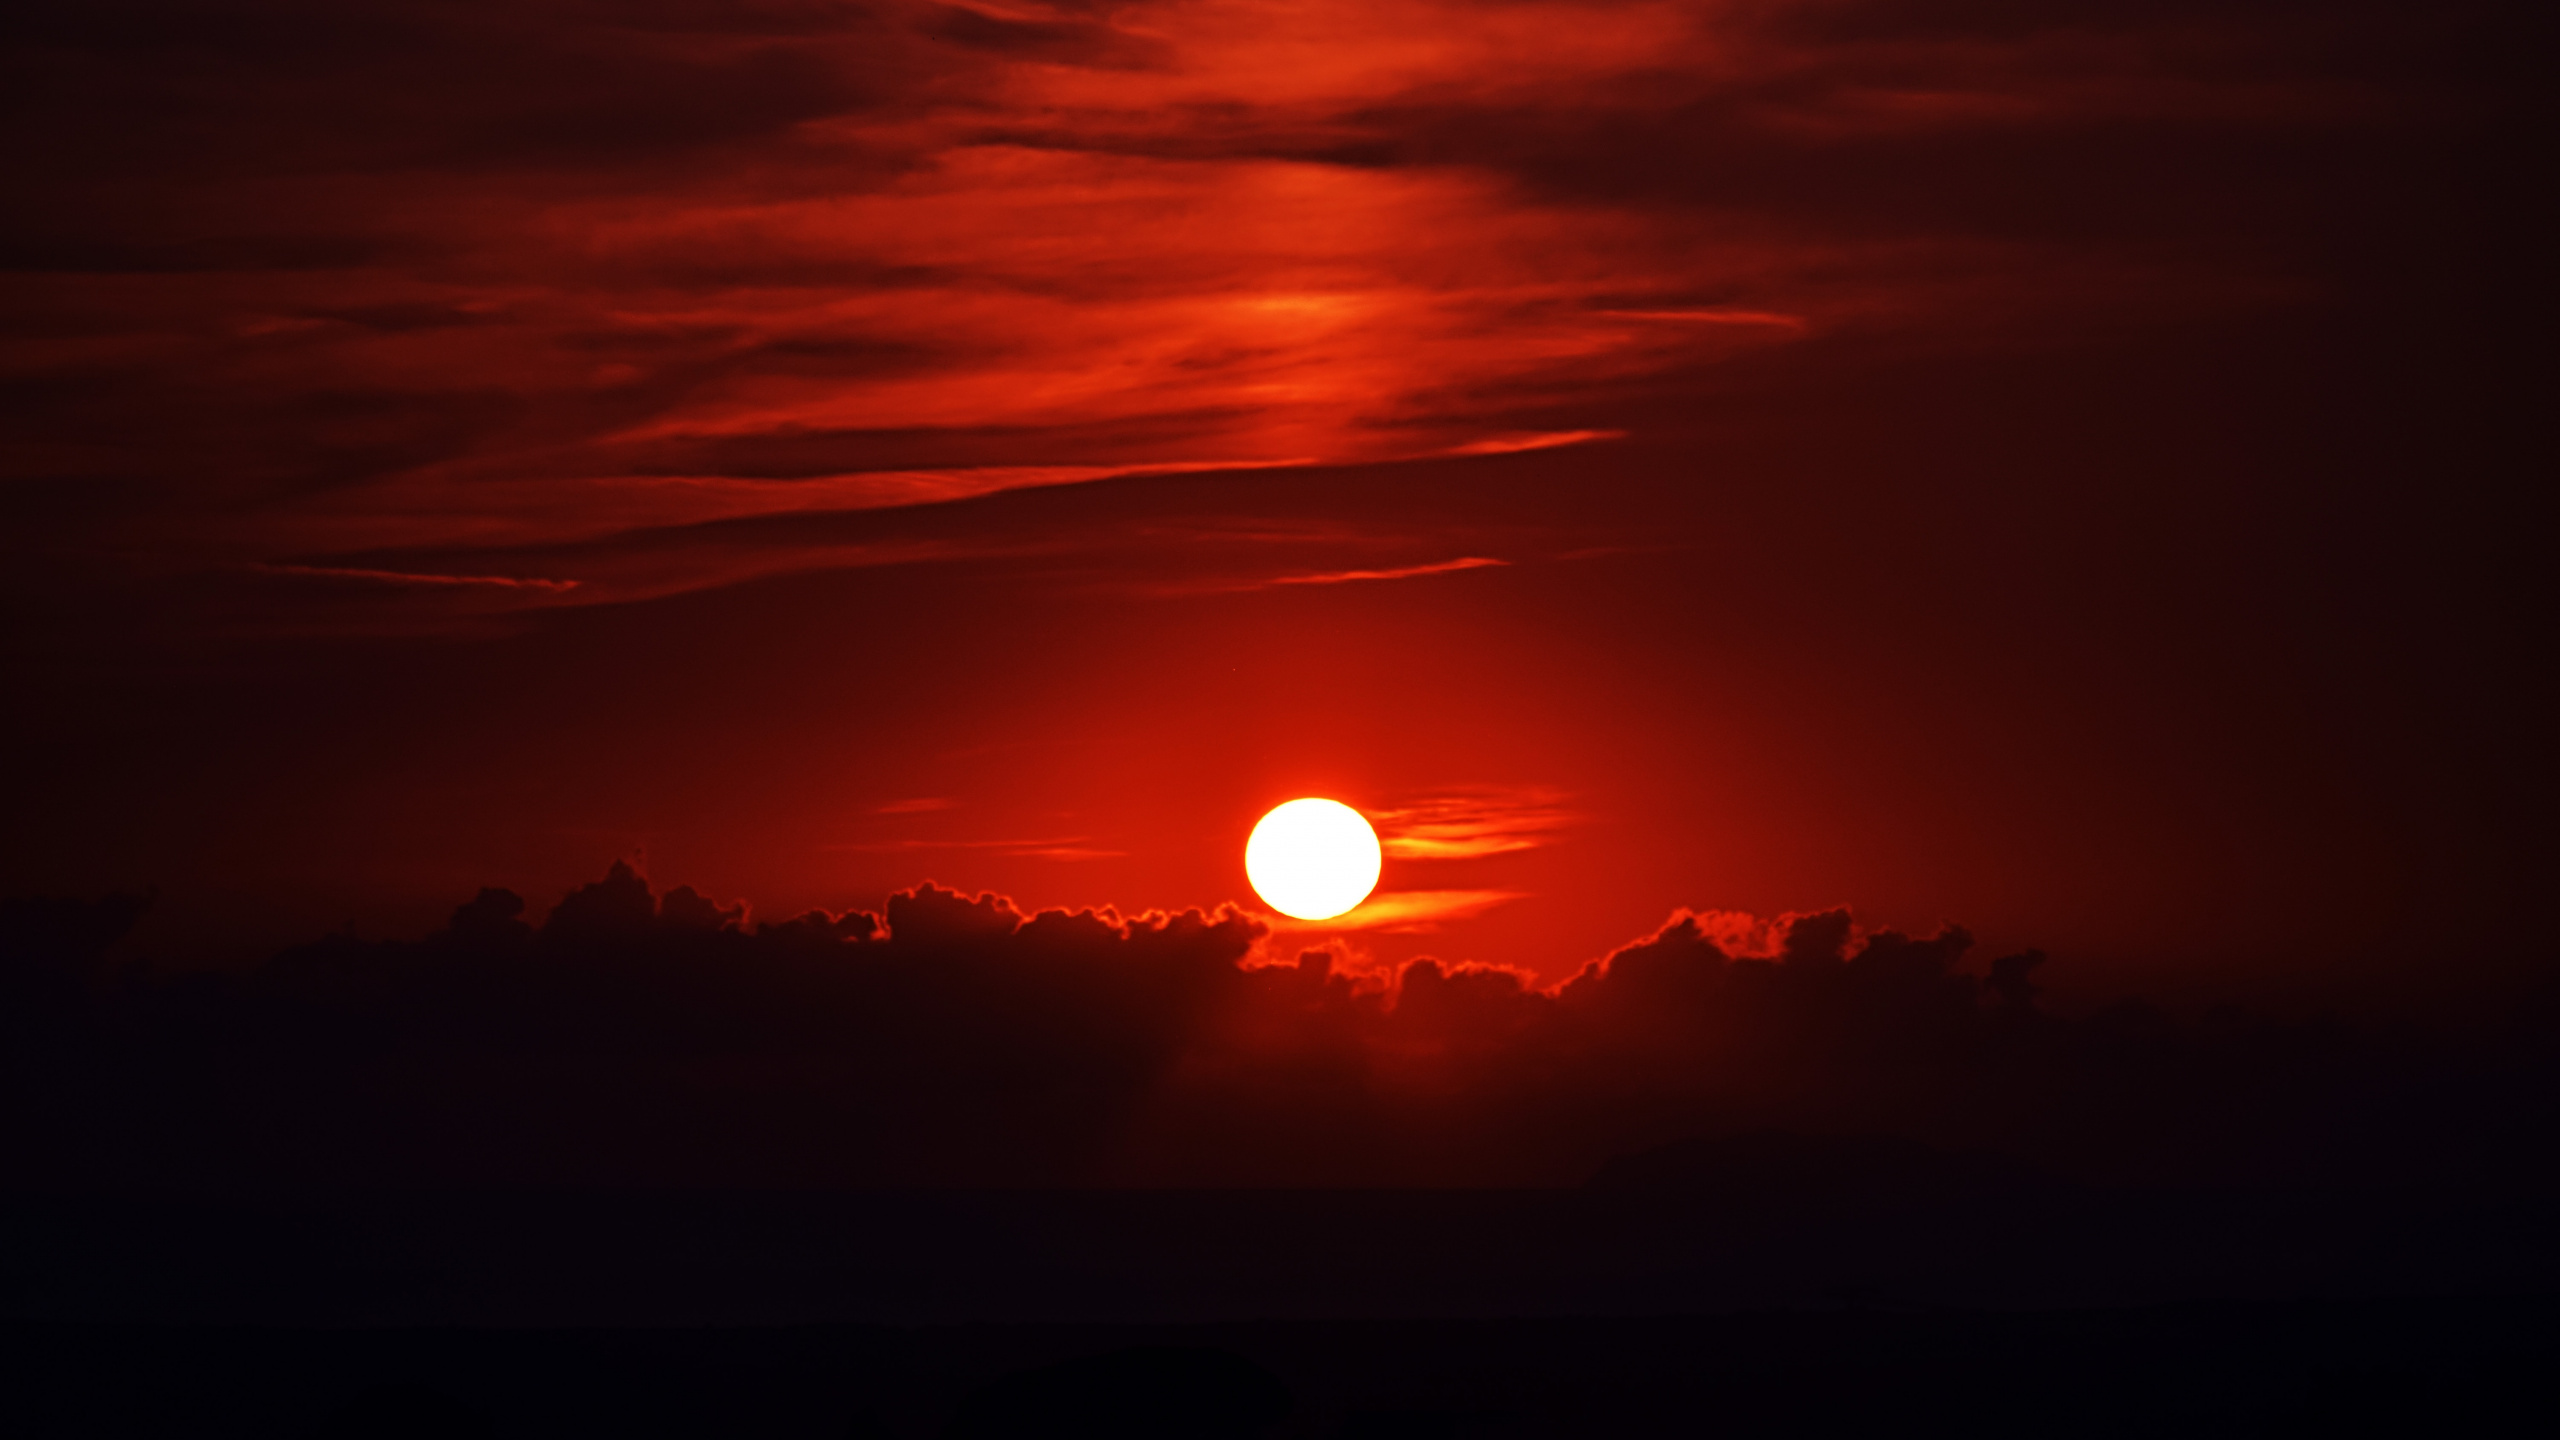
(2408, 1367)
(1777, 1302)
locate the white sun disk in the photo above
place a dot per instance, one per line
(1313, 859)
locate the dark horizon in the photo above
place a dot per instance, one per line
(648, 1038)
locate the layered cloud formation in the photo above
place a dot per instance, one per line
(459, 305)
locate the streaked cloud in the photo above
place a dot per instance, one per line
(1403, 572)
(406, 577)
(1712, 316)
(1224, 586)
(1407, 910)
(453, 286)
(1541, 440)
(1471, 824)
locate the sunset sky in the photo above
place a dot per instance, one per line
(2052, 469)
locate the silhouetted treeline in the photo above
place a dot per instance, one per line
(635, 1038)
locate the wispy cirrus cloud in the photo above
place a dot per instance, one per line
(1712, 315)
(1472, 824)
(1536, 440)
(440, 508)
(1411, 911)
(1405, 572)
(458, 280)
(1324, 577)
(407, 577)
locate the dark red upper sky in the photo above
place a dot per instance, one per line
(2049, 467)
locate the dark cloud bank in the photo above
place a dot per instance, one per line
(1861, 1183)
(639, 1039)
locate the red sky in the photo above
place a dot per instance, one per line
(2045, 469)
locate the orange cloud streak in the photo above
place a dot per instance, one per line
(1405, 910)
(1472, 825)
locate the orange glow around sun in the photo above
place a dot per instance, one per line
(1313, 859)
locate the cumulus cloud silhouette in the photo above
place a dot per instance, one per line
(643, 1037)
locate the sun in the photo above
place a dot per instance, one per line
(1312, 859)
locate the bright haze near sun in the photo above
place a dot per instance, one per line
(1313, 859)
